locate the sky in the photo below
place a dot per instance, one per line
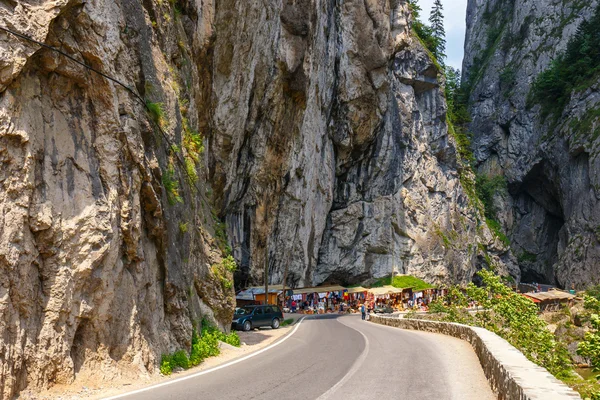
(455, 12)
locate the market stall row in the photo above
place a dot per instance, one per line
(332, 299)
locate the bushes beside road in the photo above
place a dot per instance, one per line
(203, 346)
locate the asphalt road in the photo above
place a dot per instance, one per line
(343, 357)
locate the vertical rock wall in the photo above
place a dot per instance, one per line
(326, 148)
(330, 147)
(99, 274)
(551, 208)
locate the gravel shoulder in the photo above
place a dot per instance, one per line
(90, 387)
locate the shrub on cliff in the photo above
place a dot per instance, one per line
(589, 347)
(573, 70)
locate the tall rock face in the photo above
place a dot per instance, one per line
(329, 147)
(550, 210)
(99, 273)
(327, 155)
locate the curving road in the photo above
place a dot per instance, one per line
(343, 358)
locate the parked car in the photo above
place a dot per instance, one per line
(383, 310)
(250, 317)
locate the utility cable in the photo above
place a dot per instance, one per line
(129, 89)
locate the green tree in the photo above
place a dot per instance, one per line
(513, 317)
(436, 19)
(589, 347)
(573, 70)
(423, 31)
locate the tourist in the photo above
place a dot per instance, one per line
(294, 306)
(363, 311)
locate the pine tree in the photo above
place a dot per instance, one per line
(436, 18)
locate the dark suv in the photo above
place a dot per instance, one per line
(249, 317)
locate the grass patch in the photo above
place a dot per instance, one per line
(526, 257)
(183, 227)
(157, 112)
(287, 322)
(171, 185)
(404, 281)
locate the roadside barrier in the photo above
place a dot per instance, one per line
(510, 374)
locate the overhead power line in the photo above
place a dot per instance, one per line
(110, 78)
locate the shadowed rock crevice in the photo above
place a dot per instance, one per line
(550, 212)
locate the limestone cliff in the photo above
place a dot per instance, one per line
(550, 210)
(99, 274)
(326, 144)
(329, 145)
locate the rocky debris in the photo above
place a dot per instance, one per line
(550, 210)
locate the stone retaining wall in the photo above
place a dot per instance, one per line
(511, 375)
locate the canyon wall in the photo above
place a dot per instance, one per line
(329, 147)
(550, 208)
(100, 274)
(326, 152)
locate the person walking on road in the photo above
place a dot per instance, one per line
(363, 311)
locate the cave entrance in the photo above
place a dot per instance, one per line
(539, 217)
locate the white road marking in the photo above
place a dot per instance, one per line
(357, 364)
(120, 396)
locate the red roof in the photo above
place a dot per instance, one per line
(531, 298)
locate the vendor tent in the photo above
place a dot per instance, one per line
(319, 289)
(358, 289)
(380, 291)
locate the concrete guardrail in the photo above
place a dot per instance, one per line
(510, 374)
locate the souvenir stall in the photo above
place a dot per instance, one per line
(320, 300)
(355, 296)
(386, 296)
(422, 298)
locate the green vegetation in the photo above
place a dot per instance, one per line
(203, 346)
(223, 270)
(403, 281)
(487, 187)
(527, 257)
(510, 315)
(194, 147)
(229, 264)
(171, 185)
(432, 37)
(289, 321)
(515, 318)
(590, 346)
(157, 112)
(436, 19)
(573, 70)
(183, 227)
(496, 229)
(588, 124)
(507, 79)
(221, 235)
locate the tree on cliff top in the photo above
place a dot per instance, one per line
(426, 33)
(436, 19)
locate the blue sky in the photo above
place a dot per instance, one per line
(454, 13)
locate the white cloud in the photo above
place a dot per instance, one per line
(454, 22)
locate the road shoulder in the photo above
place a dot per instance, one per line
(253, 342)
